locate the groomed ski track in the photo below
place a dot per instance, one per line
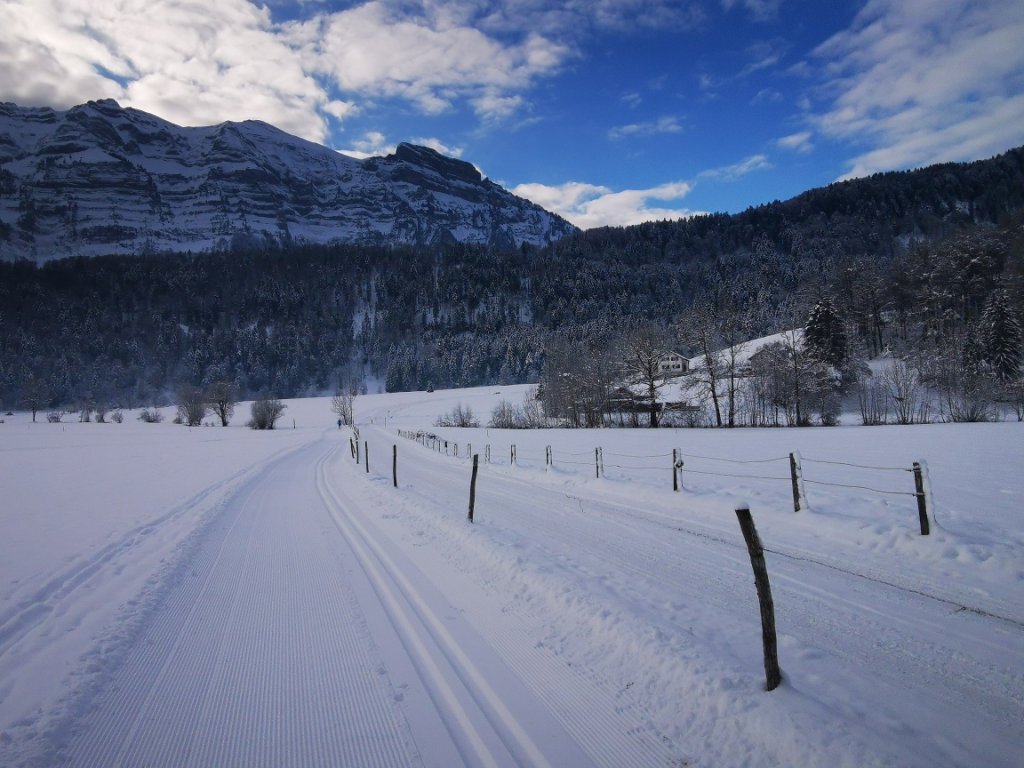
(299, 635)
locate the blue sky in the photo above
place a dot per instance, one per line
(606, 111)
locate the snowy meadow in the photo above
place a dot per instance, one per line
(592, 614)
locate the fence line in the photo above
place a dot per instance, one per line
(680, 469)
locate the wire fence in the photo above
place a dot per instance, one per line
(678, 465)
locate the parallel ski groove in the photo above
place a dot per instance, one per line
(256, 659)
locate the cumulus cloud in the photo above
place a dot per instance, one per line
(660, 126)
(202, 63)
(590, 205)
(921, 82)
(429, 56)
(189, 63)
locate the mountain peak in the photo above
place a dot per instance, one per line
(434, 160)
(101, 179)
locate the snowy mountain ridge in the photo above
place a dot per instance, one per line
(102, 179)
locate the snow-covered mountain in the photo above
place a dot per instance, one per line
(99, 179)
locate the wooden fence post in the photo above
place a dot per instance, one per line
(597, 463)
(366, 455)
(472, 487)
(394, 465)
(487, 453)
(352, 447)
(922, 501)
(549, 458)
(357, 450)
(796, 473)
(772, 673)
(676, 465)
(512, 455)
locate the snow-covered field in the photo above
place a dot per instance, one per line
(217, 597)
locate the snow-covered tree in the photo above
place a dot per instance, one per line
(1000, 338)
(824, 337)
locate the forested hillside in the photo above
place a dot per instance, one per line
(905, 256)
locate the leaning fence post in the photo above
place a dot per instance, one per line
(394, 465)
(472, 487)
(772, 673)
(797, 474)
(922, 499)
(352, 447)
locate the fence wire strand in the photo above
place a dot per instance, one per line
(861, 487)
(857, 466)
(734, 461)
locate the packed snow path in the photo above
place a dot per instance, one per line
(299, 637)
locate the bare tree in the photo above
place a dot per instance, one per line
(191, 405)
(341, 404)
(643, 349)
(904, 390)
(35, 395)
(698, 329)
(221, 398)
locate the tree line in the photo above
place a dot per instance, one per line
(910, 262)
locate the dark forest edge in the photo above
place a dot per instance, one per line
(910, 261)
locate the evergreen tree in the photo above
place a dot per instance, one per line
(824, 337)
(1000, 338)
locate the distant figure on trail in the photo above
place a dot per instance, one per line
(339, 423)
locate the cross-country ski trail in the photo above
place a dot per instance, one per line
(298, 635)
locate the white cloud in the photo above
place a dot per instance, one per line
(430, 55)
(199, 63)
(190, 63)
(737, 170)
(797, 142)
(438, 146)
(590, 205)
(660, 126)
(920, 82)
(373, 144)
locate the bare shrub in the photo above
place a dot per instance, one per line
(506, 416)
(459, 416)
(265, 413)
(117, 417)
(151, 415)
(873, 398)
(904, 389)
(54, 417)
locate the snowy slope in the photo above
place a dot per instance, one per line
(224, 597)
(99, 179)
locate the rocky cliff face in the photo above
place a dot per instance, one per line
(99, 179)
